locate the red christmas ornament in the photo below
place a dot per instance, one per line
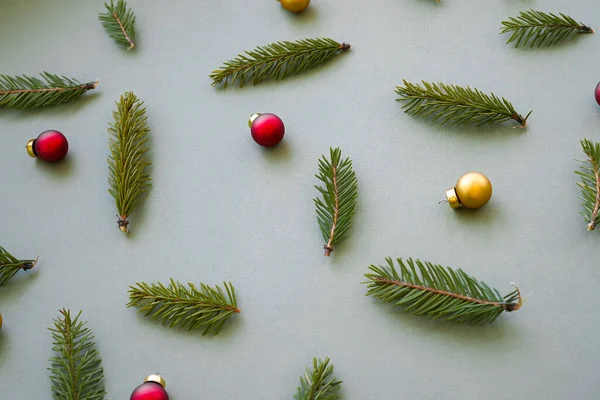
(50, 146)
(153, 388)
(267, 129)
(597, 93)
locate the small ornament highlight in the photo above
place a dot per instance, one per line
(267, 129)
(472, 190)
(295, 6)
(50, 146)
(153, 388)
(597, 93)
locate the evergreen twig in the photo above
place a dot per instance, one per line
(456, 105)
(339, 193)
(277, 61)
(119, 22)
(536, 29)
(76, 370)
(192, 308)
(128, 142)
(590, 183)
(9, 265)
(319, 383)
(434, 291)
(21, 92)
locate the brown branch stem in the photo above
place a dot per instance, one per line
(592, 224)
(70, 356)
(190, 302)
(131, 44)
(505, 306)
(336, 211)
(250, 65)
(83, 86)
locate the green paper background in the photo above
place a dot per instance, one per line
(223, 208)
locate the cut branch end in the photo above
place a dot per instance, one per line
(29, 264)
(122, 223)
(328, 250)
(345, 46)
(515, 306)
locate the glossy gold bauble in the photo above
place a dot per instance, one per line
(295, 6)
(472, 190)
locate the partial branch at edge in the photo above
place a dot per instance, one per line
(83, 86)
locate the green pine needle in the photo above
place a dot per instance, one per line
(277, 61)
(9, 265)
(319, 383)
(339, 193)
(76, 369)
(189, 307)
(127, 162)
(119, 22)
(456, 105)
(23, 92)
(590, 183)
(436, 292)
(537, 29)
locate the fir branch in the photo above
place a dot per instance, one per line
(9, 265)
(319, 383)
(537, 29)
(277, 61)
(456, 105)
(119, 22)
(76, 370)
(337, 205)
(437, 292)
(207, 308)
(127, 162)
(21, 92)
(590, 183)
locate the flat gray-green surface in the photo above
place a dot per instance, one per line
(222, 208)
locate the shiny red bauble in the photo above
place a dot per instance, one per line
(149, 391)
(597, 93)
(50, 146)
(267, 129)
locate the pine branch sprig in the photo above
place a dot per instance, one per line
(119, 22)
(189, 307)
(590, 183)
(26, 92)
(127, 164)
(536, 29)
(76, 370)
(433, 291)
(456, 105)
(339, 195)
(277, 61)
(319, 383)
(9, 265)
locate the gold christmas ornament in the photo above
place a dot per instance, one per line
(472, 190)
(295, 6)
